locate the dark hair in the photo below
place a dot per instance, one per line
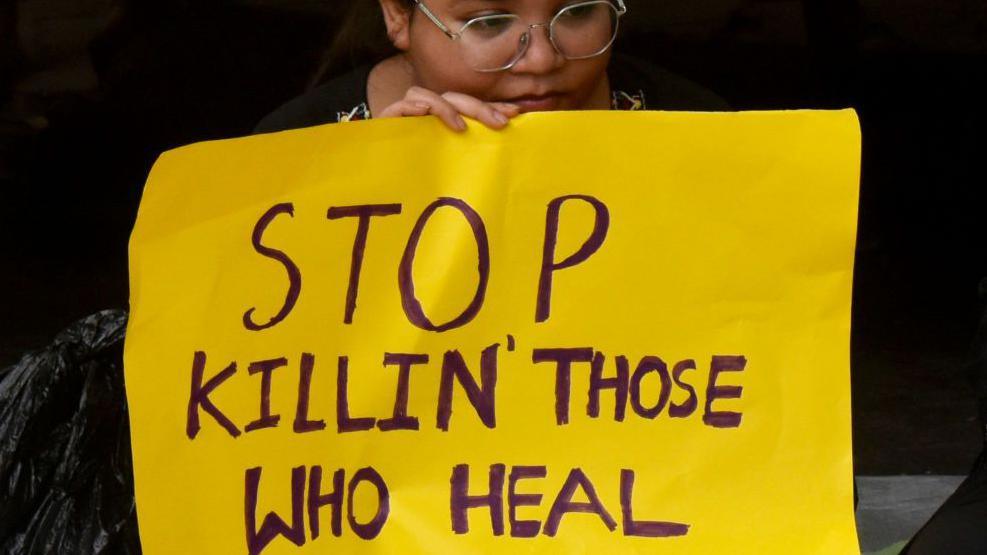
(361, 39)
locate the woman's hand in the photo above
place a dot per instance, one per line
(450, 107)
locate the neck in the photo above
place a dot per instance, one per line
(600, 97)
(388, 82)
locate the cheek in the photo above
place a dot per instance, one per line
(591, 71)
(439, 67)
(585, 77)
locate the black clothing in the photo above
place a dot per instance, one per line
(320, 105)
(959, 527)
(632, 80)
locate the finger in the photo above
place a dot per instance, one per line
(404, 108)
(475, 108)
(506, 108)
(438, 106)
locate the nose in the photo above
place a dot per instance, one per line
(540, 55)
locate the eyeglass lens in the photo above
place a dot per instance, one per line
(578, 31)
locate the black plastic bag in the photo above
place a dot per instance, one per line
(65, 461)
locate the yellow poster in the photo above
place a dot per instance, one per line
(594, 333)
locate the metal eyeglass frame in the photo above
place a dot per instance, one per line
(621, 9)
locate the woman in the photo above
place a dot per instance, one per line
(490, 60)
(65, 416)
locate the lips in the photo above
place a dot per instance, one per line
(537, 103)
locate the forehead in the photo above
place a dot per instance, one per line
(509, 5)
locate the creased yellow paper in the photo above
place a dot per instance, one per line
(589, 333)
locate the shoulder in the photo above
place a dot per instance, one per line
(660, 89)
(340, 99)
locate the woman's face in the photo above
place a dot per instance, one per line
(540, 80)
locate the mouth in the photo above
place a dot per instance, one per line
(536, 103)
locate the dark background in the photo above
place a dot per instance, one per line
(91, 91)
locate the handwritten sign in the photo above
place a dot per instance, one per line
(589, 333)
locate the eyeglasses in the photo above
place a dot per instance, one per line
(497, 42)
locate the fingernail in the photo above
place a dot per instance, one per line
(461, 124)
(500, 118)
